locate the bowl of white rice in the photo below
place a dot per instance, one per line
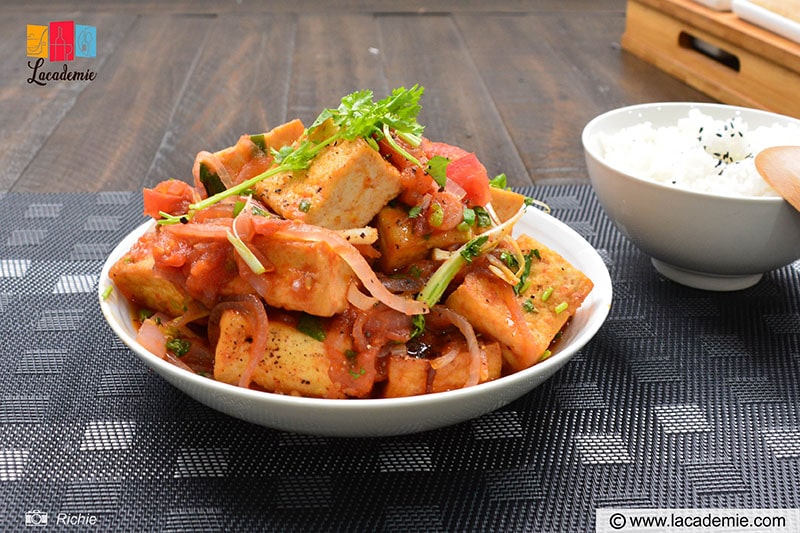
(679, 180)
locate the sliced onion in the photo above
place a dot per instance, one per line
(359, 299)
(398, 349)
(446, 358)
(455, 189)
(204, 231)
(518, 318)
(177, 362)
(357, 263)
(215, 165)
(478, 365)
(152, 338)
(250, 307)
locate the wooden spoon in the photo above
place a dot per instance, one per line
(780, 167)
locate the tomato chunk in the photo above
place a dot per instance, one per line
(464, 169)
(171, 196)
(468, 172)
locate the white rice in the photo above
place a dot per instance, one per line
(699, 153)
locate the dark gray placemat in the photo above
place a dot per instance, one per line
(685, 398)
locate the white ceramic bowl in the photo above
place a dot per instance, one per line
(381, 417)
(702, 240)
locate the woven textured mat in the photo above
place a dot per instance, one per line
(684, 399)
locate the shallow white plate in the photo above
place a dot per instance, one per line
(382, 417)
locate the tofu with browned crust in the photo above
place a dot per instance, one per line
(301, 276)
(304, 276)
(250, 156)
(556, 291)
(135, 278)
(293, 363)
(345, 186)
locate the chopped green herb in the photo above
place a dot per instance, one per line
(469, 216)
(436, 217)
(246, 253)
(259, 211)
(260, 141)
(546, 354)
(311, 326)
(524, 281)
(144, 314)
(350, 354)
(547, 293)
(210, 180)
(107, 292)
(418, 321)
(305, 205)
(356, 117)
(473, 248)
(560, 308)
(482, 217)
(178, 347)
(528, 306)
(414, 211)
(358, 374)
(509, 259)
(437, 168)
(415, 271)
(237, 207)
(499, 182)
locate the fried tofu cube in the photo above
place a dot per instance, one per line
(411, 376)
(134, 277)
(293, 363)
(455, 375)
(301, 276)
(304, 276)
(250, 156)
(406, 376)
(401, 246)
(555, 293)
(344, 187)
(506, 203)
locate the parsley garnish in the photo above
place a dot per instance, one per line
(437, 169)
(311, 326)
(473, 248)
(357, 116)
(179, 347)
(482, 217)
(524, 284)
(499, 182)
(509, 259)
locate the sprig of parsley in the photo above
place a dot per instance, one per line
(358, 116)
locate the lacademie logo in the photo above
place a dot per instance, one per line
(60, 41)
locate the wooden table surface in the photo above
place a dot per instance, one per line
(513, 81)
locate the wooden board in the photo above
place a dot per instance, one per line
(717, 53)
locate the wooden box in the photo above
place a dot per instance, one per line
(717, 53)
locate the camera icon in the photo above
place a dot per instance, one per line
(35, 518)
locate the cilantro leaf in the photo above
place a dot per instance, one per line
(499, 182)
(357, 116)
(437, 168)
(473, 248)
